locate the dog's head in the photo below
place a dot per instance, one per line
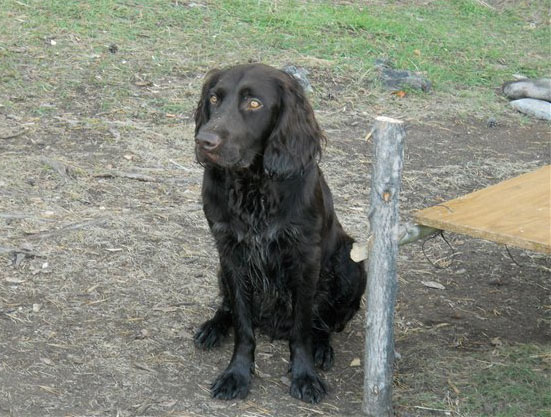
(256, 115)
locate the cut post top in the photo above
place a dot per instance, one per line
(386, 119)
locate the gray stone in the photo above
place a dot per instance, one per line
(532, 107)
(394, 79)
(301, 75)
(539, 89)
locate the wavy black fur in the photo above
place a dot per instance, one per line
(285, 266)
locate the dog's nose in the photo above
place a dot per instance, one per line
(208, 141)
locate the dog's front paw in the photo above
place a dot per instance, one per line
(210, 334)
(308, 387)
(232, 383)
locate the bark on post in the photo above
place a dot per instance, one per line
(388, 137)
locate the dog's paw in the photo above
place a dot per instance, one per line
(210, 334)
(308, 387)
(232, 383)
(323, 355)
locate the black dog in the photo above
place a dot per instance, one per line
(285, 262)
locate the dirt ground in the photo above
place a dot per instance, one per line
(107, 267)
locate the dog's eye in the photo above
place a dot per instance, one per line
(254, 104)
(213, 99)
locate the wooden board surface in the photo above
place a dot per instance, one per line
(515, 212)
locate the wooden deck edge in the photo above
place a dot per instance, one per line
(488, 235)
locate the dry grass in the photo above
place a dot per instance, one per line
(108, 267)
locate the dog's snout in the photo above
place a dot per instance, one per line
(208, 141)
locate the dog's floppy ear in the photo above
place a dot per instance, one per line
(201, 114)
(296, 138)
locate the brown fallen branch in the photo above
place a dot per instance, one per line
(129, 175)
(14, 135)
(71, 226)
(11, 216)
(134, 125)
(16, 251)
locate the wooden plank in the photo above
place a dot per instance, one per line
(515, 212)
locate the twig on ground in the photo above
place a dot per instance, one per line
(440, 410)
(23, 216)
(14, 135)
(71, 226)
(483, 3)
(133, 125)
(178, 165)
(26, 252)
(129, 175)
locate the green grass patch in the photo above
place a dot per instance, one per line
(459, 44)
(518, 384)
(511, 381)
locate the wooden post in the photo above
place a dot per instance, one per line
(388, 136)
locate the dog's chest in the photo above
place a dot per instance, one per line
(253, 208)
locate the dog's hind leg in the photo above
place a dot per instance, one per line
(213, 331)
(348, 288)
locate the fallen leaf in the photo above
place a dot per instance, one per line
(454, 387)
(400, 94)
(47, 361)
(75, 359)
(285, 381)
(168, 403)
(143, 83)
(19, 258)
(355, 362)
(496, 341)
(359, 251)
(433, 284)
(144, 334)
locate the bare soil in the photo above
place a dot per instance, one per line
(107, 266)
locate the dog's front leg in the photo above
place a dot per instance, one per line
(236, 379)
(306, 385)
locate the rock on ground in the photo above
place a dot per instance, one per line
(539, 89)
(394, 79)
(301, 75)
(532, 107)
